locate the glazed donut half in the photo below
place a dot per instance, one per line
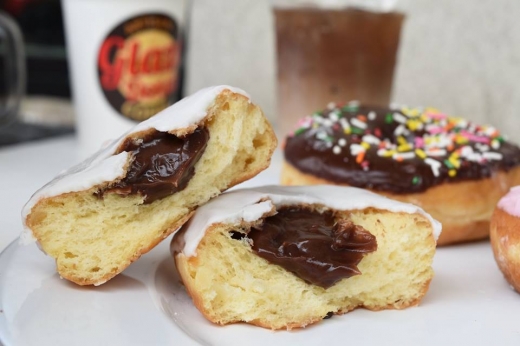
(286, 257)
(101, 215)
(453, 168)
(505, 236)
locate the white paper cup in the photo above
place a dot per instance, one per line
(124, 58)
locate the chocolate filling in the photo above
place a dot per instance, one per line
(162, 164)
(313, 246)
(344, 145)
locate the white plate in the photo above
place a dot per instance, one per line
(469, 303)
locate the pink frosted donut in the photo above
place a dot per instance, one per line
(505, 236)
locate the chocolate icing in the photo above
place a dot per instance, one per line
(162, 164)
(313, 246)
(316, 148)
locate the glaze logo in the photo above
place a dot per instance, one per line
(138, 65)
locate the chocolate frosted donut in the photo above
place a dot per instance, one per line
(453, 168)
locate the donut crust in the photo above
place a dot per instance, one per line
(464, 208)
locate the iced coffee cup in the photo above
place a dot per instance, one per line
(333, 51)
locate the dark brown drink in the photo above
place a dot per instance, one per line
(333, 56)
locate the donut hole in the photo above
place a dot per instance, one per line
(237, 235)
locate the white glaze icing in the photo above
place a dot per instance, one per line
(511, 202)
(104, 166)
(251, 204)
